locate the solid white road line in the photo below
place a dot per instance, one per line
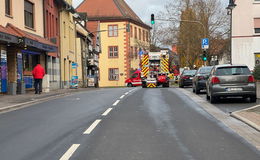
(107, 111)
(69, 152)
(92, 127)
(116, 102)
(122, 96)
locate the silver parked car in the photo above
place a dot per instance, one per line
(229, 81)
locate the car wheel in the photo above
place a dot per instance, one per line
(166, 85)
(129, 85)
(197, 91)
(253, 99)
(213, 99)
(207, 96)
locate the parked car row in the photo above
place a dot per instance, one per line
(221, 81)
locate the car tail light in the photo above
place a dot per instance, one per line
(185, 77)
(215, 80)
(200, 77)
(251, 79)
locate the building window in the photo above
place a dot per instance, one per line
(147, 35)
(257, 25)
(8, 7)
(113, 52)
(29, 14)
(112, 30)
(140, 34)
(136, 50)
(131, 31)
(113, 74)
(132, 52)
(143, 35)
(135, 33)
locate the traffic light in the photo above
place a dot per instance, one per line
(128, 27)
(204, 56)
(152, 19)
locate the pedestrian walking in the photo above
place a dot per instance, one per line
(38, 74)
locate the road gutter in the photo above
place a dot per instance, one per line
(251, 135)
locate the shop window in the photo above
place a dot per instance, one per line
(30, 61)
(113, 51)
(8, 7)
(112, 30)
(29, 14)
(113, 74)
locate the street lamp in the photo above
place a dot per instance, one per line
(229, 8)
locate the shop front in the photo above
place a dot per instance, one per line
(6, 40)
(21, 58)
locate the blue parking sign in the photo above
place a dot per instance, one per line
(205, 43)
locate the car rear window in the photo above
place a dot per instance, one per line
(189, 72)
(205, 70)
(237, 70)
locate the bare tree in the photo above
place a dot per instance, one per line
(210, 13)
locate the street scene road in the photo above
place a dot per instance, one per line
(120, 123)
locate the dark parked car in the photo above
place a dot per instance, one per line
(229, 81)
(186, 78)
(200, 78)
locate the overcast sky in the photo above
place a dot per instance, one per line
(143, 8)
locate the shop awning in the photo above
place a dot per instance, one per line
(32, 40)
(6, 36)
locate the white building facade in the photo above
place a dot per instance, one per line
(246, 33)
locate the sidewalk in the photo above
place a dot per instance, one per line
(250, 116)
(8, 102)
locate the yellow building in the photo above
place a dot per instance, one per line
(68, 55)
(119, 48)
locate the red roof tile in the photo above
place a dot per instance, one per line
(20, 33)
(109, 10)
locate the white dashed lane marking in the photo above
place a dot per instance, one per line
(92, 127)
(107, 111)
(116, 102)
(122, 96)
(69, 152)
(126, 93)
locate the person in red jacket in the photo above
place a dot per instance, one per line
(38, 74)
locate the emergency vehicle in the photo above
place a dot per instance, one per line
(155, 69)
(134, 80)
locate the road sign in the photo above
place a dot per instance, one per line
(205, 43)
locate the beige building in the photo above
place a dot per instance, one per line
(68, 55)
(246, 33)
(119, 48)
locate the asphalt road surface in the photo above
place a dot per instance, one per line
(115, 124)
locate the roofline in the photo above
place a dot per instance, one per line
(116, 19)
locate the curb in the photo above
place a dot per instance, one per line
(21, 105)
(246, 121)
